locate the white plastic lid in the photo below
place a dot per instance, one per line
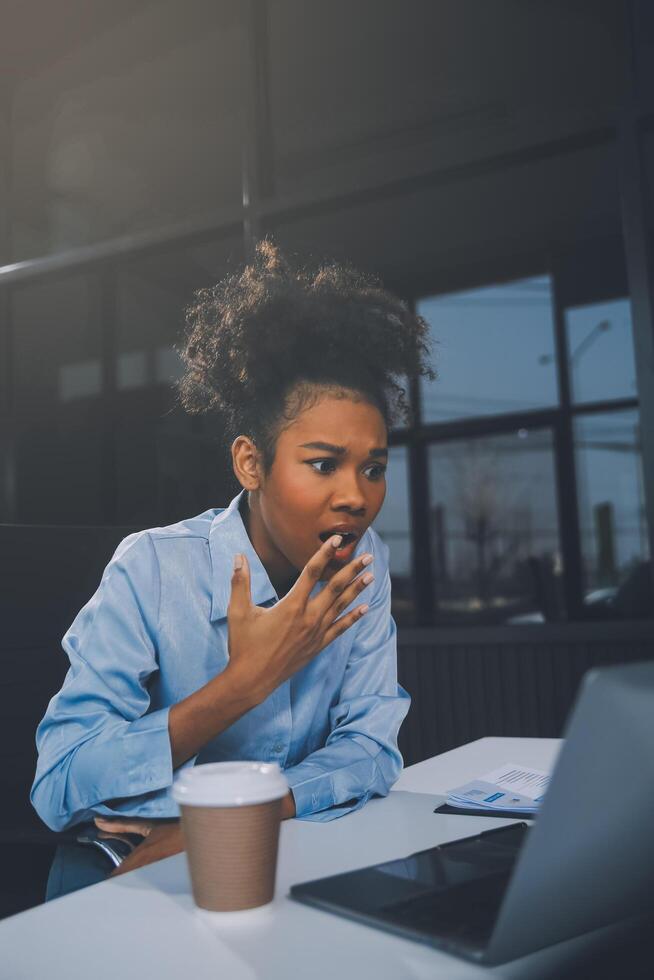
(230, 784)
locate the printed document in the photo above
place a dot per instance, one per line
(510, 787)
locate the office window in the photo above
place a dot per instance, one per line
(601, 351)
(494, 528)
(612, 512)
(168, 465)
(493, 349)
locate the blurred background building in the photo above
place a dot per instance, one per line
(491, 160)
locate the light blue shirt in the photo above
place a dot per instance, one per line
(156, 631)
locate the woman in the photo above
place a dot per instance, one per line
(262, 631)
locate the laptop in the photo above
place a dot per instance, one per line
(586, 862)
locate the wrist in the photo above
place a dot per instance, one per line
(203, 715)
(288, 806)
(241, 687)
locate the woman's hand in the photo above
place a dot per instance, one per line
(267, 646)
(129, 825)
(163, 840)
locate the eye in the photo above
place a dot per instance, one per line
(323, 466)
(376, 471)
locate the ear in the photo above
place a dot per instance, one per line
(246, 463)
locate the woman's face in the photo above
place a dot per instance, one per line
(327, 477)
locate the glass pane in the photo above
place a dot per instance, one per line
(495, 535)
(601, 351)
(57, 399)
(400, 87)
(493, 351)
(612, 514)
(393, 525)
(128, 129)
(402, 423)
(169, 466)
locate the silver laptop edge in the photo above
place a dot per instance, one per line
(589, 859)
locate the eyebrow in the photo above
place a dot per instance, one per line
(377, 452)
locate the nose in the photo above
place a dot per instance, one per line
(349, 494)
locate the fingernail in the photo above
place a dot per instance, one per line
(367, 578)
(366, 559)
(336, 540)
(238, 562)
(363, 609)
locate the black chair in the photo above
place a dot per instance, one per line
(46, 575)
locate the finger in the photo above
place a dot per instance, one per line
(112, 822)
(343, 587)
(347, 597)
(137, 826)
(164, 843)
(240, 599)
(344, 623)
(315, 568)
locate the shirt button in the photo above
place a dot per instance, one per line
(278, 747)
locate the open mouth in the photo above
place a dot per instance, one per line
(347, 536)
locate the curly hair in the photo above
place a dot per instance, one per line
(262, 344)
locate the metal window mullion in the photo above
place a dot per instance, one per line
(601, 408)
(480, 426)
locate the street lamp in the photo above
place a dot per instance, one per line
(583, 346)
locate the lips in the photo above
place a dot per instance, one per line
(348, 534)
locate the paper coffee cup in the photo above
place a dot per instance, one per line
(230, 816)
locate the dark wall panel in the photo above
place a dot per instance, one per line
(514, 681)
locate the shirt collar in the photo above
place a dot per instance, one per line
(228, 537)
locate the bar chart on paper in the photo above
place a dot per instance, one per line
(510, 787)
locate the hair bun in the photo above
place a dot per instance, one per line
(257, 334)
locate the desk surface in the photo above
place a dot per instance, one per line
(144, 924)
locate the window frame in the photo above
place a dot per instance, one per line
(418, 436)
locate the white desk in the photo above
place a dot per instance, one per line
(144, 924)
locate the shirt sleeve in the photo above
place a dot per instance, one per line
(360, 758)
(98, 741)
